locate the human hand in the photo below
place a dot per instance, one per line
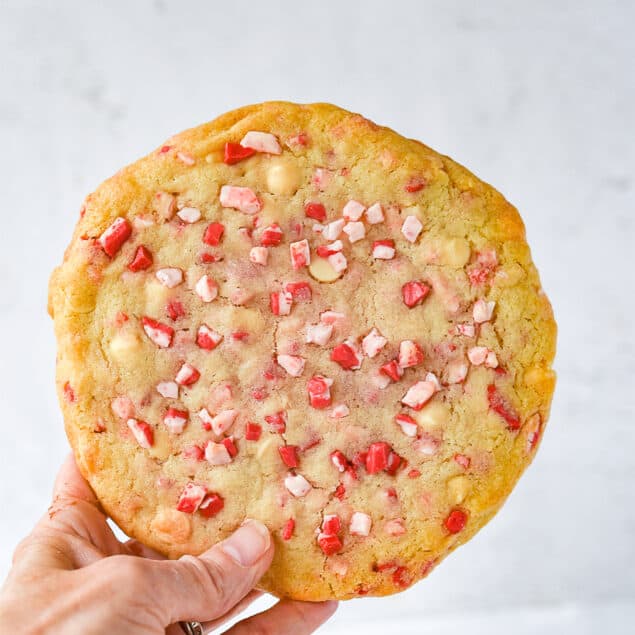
(72, 575)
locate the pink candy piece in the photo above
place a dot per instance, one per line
(419, 394)
(318, 333)
(170, 277)
(259, 255)
(353, 210)
(411, 228)
(300, 255)
(297, 485)
(243, 199)
(483, 311)
(261, 142)
(373, 343)
(293, 364)
(355, 231)
(375, 214)
(217, 454)
(206, 289)
(142, 432)
(360, 524)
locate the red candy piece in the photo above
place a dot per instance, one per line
(456, 521)
(324, 251)
(191, 498)
(142, 259)
(498, 404)
(329, 544)
(208, 259)
(359, 460)
(340, 491)
(414, 292)
(410, 354)
(207, 339)
(280, 303)
(345, 356)
(463, 460)
(289, 455)
(115, 236)
(252, 431)
(69, 393)
(287, 529)
(213, 234)
(415, 184)
(394, 461)
(193, 452)
(277, 421)
(211, 505)
(377, 457)
(271, 236)
(331, 524)
(400, 577)
(392, 370)
(187, 375)
(175, 310)
(234, 153)
(414, 473)
(230, 446)
(299, 290)
(161, 334)
(339, 460)
(316, 211)
(319, 392)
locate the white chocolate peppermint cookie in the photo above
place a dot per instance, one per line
(295, 315)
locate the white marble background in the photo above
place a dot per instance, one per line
(535, 97)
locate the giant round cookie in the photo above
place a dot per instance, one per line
(295, 315)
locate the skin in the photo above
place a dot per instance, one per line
(71, 575)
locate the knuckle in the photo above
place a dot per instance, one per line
(208, 578)
(20, 549)
(133, 570)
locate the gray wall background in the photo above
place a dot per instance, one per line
(536, 98)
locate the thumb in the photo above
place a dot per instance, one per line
(205, 587)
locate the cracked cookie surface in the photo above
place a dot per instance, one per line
(293, 314)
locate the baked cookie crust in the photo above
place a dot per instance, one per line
(293, 314)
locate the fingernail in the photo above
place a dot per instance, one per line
(247, 544)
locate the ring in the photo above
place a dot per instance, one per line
(192, 628)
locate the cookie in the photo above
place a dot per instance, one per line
(295, 315)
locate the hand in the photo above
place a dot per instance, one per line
(71, 575)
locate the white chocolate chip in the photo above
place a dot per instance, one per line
(458, 488)
(123, 347)
(322, 270)
(455, 252)
(283, 178)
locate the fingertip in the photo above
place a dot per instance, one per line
(248, 544)
(70, 483)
